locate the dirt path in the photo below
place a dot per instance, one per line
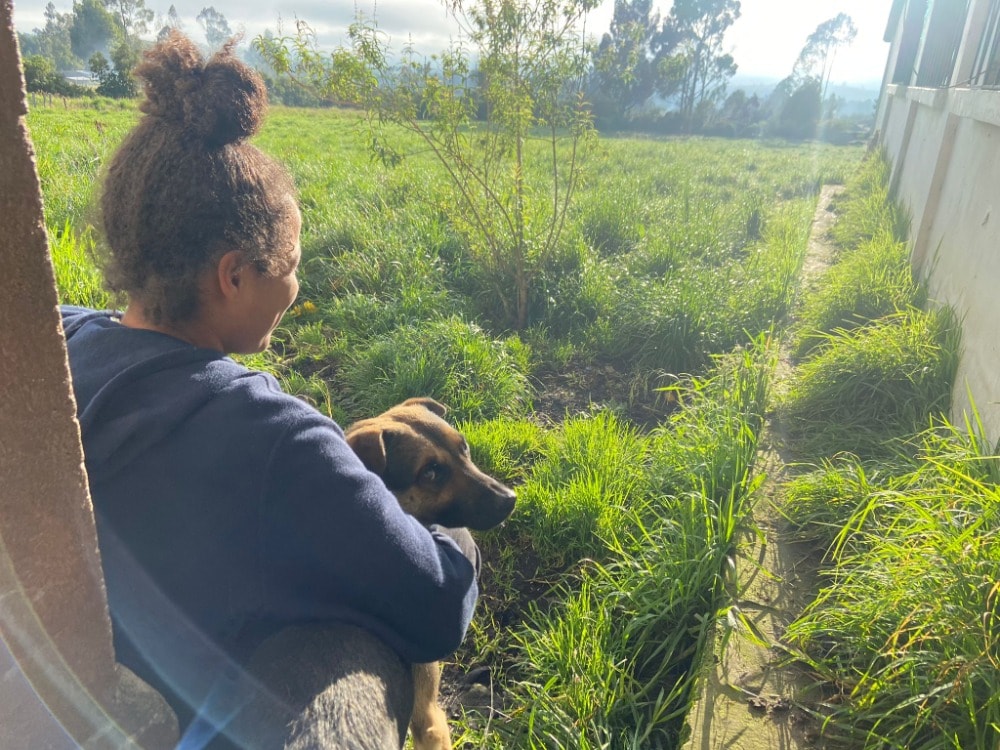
(748, 701)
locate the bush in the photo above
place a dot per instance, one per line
(450, 360)
(868, 386)
(869, 282)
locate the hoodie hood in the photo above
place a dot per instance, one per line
(133, 387)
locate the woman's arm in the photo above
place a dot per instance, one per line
(335, 545)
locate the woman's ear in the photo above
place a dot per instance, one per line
(229, 272)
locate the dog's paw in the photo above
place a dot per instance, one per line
(433, 738)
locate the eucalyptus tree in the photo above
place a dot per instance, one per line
(93, 28)
(171, 22)
(132, 18)
(52, 41)
(623, 60)
(816, 58)
(692, 66)
(215, 26)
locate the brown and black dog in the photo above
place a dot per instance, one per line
(425, 463)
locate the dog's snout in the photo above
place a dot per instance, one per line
(506, 492)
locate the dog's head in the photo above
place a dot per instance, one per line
(425, 462)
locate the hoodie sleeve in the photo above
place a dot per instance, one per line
(337, 546)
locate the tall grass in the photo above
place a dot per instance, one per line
(71, 146)
(78, 280)
(676, 322)
(454, 361)
(907, 626)
(870, 281)
(867, 208)
(905, 505)
(867, 386)
(678, 257)
(609, 664)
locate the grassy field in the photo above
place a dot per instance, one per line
(626, 412)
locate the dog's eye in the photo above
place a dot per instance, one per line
(432, 472)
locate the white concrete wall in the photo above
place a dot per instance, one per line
(944, 145)
(946, 173)
(963, 262)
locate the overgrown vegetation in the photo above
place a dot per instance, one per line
(601, 590)
(875, 364)
(605, 660)
(515, 74)
(903, 631)
(905, 628)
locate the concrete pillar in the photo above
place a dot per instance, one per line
(893, 35)
(53, 606)
(920, 235)
(971, 37)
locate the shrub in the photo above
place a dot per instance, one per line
(448, 359)
(869, 282)
(867, 386)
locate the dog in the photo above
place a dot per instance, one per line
(425, 463)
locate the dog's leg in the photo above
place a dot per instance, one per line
(429, 723)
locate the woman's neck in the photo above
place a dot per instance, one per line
(195, 332)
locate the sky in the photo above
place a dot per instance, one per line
(765, 41)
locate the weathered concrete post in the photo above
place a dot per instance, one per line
(53, 605)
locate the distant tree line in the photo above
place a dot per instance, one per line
(671, 74)
(668, 74)
(106, 38)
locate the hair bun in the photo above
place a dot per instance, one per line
(219, 102)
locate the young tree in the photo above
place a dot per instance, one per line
(740, 115)
(797, 106)
(39, 74)
(691, 64)
(215, 26)
(623, 66)
(816, 58)
(115, 76)
(529, 84)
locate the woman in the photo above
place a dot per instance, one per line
(233, 518)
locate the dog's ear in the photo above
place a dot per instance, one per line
(370, 447)
(428, 403)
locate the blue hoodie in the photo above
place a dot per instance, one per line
(227, 510)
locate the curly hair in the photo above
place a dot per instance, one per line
(186, 186)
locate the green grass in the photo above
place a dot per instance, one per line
(867, 386)
(450, 360)
(867, 210)
(869, 282)
(71, 145)
(78, 280)
(675, 250)
(605, 660)
(903, 632)
(906, 625)
(872, 277)
(677, 260)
